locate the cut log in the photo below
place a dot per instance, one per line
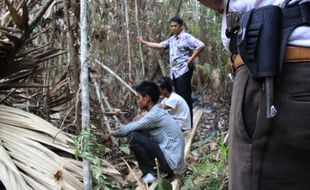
(188, 137)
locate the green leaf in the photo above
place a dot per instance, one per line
(125, 148)
(96, 171)
(163, 185)
(87, 155)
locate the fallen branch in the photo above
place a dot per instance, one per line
(189, 137)
(117, 77)
(97, 87)
(140, 186)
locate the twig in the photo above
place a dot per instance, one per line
(105, 99)
(106, 122)
(134, 175)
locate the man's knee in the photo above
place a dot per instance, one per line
(132, 137)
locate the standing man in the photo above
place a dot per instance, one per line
(174, 104)
(155, 135)
(183, 49)
(268, 152)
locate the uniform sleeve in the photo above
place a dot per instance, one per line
(165, 43)
(146, 122)
(171, 102)
(194, 43)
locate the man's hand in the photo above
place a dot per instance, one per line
(149, 44)
(106, 137)
(140, 40)
(190, 62)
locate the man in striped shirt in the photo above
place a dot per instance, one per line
(155, 135)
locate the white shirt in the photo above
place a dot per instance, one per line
(181, 47)
(179, 110)
(299, 37)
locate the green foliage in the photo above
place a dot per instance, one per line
(163, 184)
(88, 151)
(211, 173)
(189, 184)
(125, 148)
(206, 68)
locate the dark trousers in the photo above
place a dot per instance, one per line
(146, 150)
(183, 87)
(271, 154)
(2, 186)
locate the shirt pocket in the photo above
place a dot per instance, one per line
(300, 96)
(184, 48)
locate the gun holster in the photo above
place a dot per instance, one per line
(258, 40)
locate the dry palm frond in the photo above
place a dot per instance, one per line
(17, 52)
(22, 56)
(28, 159)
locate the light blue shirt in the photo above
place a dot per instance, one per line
(180, 47)
(164, 130)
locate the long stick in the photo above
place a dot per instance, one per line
(128, 40)
(105, 99)
(138, 33)
(117, 77)
(97, 87)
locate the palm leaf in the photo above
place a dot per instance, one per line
(28, 159)
(14, 14)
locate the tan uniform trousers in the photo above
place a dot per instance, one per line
(271, 154)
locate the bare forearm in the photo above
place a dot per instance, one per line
(149, 44)
(195, 54)
(152, 45)
(214, 4)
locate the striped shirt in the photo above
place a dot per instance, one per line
(163, 129)
(181, 47)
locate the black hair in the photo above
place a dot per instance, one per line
(149, 88)
(177, 19)
(165, 82)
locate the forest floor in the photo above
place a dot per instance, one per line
(207, 161)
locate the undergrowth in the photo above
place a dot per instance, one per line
(211, 172)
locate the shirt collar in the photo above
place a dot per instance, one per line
(179, 35)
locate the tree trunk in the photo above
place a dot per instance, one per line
(138, 33)
(128, 40)
(87, 180)
(72, 58)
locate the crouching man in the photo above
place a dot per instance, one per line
(155, 135)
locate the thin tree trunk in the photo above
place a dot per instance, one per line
(128, 40)
(87, 180)
(97, 87)
(138, 33)
(72, 58)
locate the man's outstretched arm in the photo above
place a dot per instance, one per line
(149, 44)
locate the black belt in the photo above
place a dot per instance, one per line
(292, 17)
(296, 15)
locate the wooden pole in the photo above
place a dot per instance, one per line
(128, 41)
(87, 180)
(138, 33)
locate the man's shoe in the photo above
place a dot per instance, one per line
(148, 178)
